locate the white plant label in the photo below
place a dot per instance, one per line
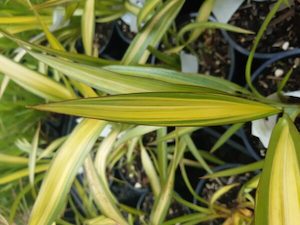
(189, 63)
(262, 128)
(131, 20)
(224, 9)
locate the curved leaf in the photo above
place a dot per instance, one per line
(59, 178)
(278, 193)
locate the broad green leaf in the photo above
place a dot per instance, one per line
(278, 193)
(152, 33)
(111, 82)
(33, 81)
(176, 77)
(166, 109)
(59, 178)
(88, 26)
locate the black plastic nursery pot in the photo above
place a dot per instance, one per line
(234, 146)
(266, 79)
(281, 35)
(215, 55)
(104, 33)
(117, 45)
(123, 30)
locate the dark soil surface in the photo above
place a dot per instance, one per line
(268, 82)
(175, 209)
(282, 33)
(133, 172)
(212, 52)
(230, 198)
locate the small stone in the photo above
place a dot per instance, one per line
(285, 45)
(138, 185)
(278, 72)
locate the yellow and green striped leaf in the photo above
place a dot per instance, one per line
(176, 77)
(166, 109)
(278, 194)
(33, 81)
(112, 82)
(59, 178)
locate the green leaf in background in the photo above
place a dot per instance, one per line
(278, 193)
(181, 78)
(152, 33)
(111, 82)
(166, 109)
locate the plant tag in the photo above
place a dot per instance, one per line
(262, 129)
(189, 63)
(106, 131)
(295, 94)
(131, 21)
(224, 9)
(138, 3)
(57, 18)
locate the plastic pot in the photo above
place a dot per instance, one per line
(246, 52)
(258, 72)
(231, 52)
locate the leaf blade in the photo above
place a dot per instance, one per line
(157, 109)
